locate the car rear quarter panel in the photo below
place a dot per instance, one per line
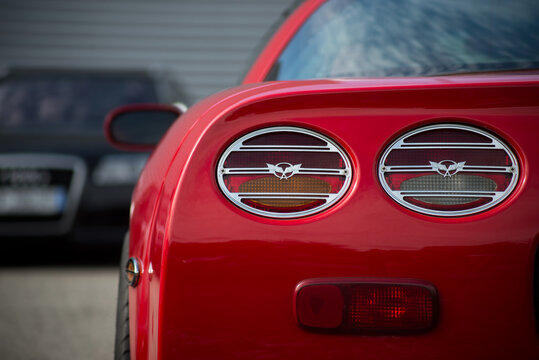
(220, 282)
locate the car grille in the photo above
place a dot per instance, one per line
(39, 194)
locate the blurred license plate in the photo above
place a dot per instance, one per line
(42, 201)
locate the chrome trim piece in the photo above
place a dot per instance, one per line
(48, 162)
(305, 171)
(181, 106)
(449, 146)
(495, 196)
(329, 198)
(466, 168)
(132, 276)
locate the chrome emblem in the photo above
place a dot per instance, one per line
(447, 167)
(284, 170)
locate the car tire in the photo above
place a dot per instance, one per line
(121, 342)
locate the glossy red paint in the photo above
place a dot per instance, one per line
(218, 280)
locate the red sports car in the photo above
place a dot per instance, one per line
(381, 205)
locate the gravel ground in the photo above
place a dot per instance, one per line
(57, 312)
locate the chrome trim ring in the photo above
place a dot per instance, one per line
(329, 147)
(495, 196)
(133, 269)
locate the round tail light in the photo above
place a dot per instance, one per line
(284, 172)
(448, 170)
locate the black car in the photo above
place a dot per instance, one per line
(59, 178)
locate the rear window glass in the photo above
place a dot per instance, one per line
(366, 38)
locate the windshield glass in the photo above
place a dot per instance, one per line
(366, 38)
(67, 103)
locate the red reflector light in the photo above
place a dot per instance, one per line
(320, 306)
(369, 306)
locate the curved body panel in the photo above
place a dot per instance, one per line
(219, 280)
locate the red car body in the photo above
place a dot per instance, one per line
(217, 281)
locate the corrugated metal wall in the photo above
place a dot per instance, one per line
(205, 44)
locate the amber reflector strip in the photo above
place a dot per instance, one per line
(366, 306)
(284, 172)
(283, 206)
(295, 184)
(448, 170)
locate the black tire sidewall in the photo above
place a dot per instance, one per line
(121, 341)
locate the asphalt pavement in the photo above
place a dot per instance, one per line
(57, 310)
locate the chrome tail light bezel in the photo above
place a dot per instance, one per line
(496, 197)
(331, 146)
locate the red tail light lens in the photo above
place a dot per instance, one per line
(388, 307)
(366, 306)
(448, 170)
(284, 172)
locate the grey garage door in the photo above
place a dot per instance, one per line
(204, 44)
